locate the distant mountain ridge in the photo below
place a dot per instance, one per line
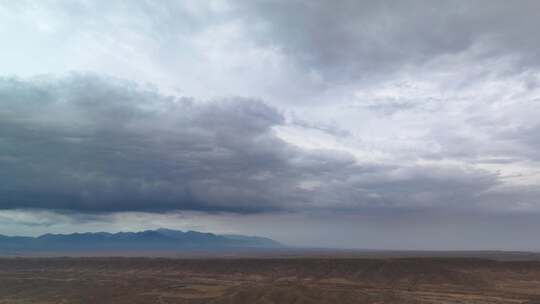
(160, 239)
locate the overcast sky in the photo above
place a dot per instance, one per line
(363, 124)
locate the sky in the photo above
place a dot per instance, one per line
(353, 124)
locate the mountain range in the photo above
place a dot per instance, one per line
(160, 239)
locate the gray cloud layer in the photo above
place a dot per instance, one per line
(90, 143)
(348, 38)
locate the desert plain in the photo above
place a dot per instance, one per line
(266, 280)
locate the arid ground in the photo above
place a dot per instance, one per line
(268, 280)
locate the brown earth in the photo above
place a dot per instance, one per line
(270, 280)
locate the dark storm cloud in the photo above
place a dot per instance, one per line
(349, 38)
(88, 143)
